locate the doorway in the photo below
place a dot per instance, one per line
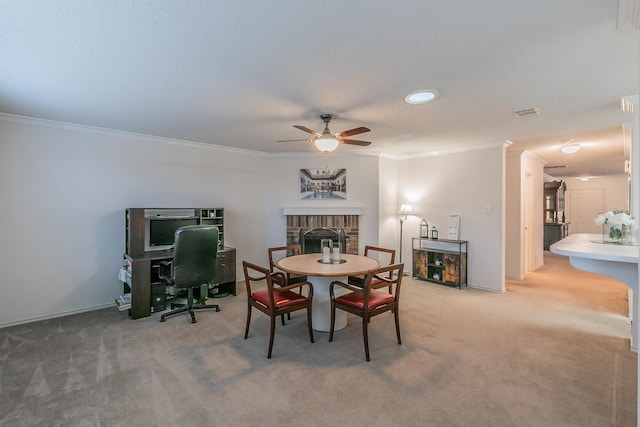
(584, 206)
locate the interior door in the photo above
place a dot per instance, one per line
(584, 206)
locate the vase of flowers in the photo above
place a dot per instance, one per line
(617, 226)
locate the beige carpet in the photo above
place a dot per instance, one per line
(552, 351)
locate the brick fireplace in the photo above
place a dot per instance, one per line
(302, 220)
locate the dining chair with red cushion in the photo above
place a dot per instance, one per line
(369, 300)
(274, 301)
(278, 276)
(276, 254)
(384, 255)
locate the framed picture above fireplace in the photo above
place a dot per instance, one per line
(323, 184)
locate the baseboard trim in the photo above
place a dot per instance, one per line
(56, 315)
(482, 288)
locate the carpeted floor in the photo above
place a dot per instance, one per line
(552, 351)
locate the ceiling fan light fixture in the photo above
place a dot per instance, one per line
(422, 96)
(326, 144)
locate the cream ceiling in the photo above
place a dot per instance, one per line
(242, 73)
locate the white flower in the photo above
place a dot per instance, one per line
(615, 219)
(628, 221)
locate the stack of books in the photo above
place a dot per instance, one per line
(124, 302)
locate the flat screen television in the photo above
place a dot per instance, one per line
(160, 232)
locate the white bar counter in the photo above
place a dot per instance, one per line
(587, 252)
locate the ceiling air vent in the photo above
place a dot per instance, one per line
(528, 112)
(555, 166)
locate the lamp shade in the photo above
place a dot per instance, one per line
(327, 145)
(405, 209)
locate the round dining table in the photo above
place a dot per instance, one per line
(321, 275)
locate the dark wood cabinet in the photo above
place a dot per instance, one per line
(225, 282)
(554, 200)
(440, 261)
(554, 232)
(142, 271)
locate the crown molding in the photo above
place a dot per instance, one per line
(106, 131)
(161, 139)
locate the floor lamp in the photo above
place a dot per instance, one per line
(405, 210)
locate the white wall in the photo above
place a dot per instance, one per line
(283, 175)
(388, 205)
(64, 191)
(462, 183)
(65, 188)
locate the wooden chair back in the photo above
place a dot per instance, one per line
(279, 277)
(279, 252)
(274, 301)
(384, 256)
(368, 300)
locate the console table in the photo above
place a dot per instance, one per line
(441, 261)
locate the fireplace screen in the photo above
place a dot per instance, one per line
(310, 239)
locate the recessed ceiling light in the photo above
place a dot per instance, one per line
(584, 179)
(570, 148)
(422, 96)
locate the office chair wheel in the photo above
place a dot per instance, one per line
(162, 319)
(217, 308)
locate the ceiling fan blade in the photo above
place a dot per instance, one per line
(294, 140)
(307, 130)
(355, 142)
(355, 131)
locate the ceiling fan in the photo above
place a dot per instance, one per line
(327, 141)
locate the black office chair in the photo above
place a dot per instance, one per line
(195, 263)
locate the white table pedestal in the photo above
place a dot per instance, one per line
(321, 314)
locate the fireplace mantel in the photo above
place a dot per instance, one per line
(322, 211)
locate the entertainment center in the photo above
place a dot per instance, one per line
(149, 237)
